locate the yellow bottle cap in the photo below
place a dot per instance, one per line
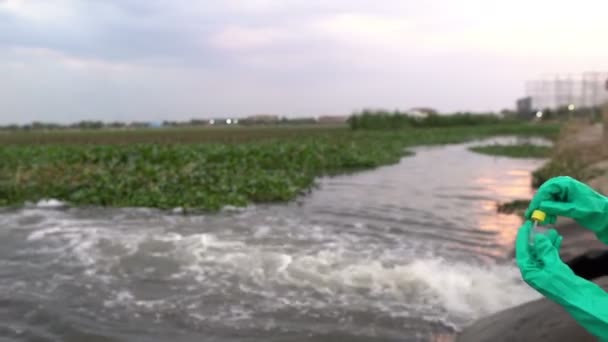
(539, 215)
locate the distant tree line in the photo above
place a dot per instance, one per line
(82, 125)
(381, 119)
(96, 125)
(367, 119)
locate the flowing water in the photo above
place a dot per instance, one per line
(407, 252)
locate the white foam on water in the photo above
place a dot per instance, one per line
(41, 234)
(235, 209)
(50, 203)
(456, 291)
(327, 274)
(460, 290)
(472, 290)
(262, 231)
(119, 298)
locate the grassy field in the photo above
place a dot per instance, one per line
(205, 168)
(514, 151)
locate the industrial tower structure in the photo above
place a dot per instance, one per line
(553, 91)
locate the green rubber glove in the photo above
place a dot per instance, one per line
(566, 196)
(542, 269)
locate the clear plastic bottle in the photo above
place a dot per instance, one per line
(538, 217)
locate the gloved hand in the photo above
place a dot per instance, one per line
(566, 196)
(542, 269)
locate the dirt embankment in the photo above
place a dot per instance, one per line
(581, 146)
(582, 153)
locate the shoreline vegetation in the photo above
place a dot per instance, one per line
(210, 168)
(578, 152)
(514, 151)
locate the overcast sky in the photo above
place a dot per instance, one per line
(69, 60)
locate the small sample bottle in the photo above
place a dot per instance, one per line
(538, 217)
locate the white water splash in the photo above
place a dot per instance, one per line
(429, 286)
(49, 203)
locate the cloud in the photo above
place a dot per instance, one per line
(40, 55)
(240, 38)
(38, 10)
(108, 30)
(138, 59)
(363, 28)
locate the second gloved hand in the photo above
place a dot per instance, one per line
(542, 268)
(566, 196)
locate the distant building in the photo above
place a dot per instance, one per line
(525, 108)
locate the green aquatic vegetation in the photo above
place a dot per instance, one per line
(514, 151)
(518, 206)
(192, 176)
(194, 172)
